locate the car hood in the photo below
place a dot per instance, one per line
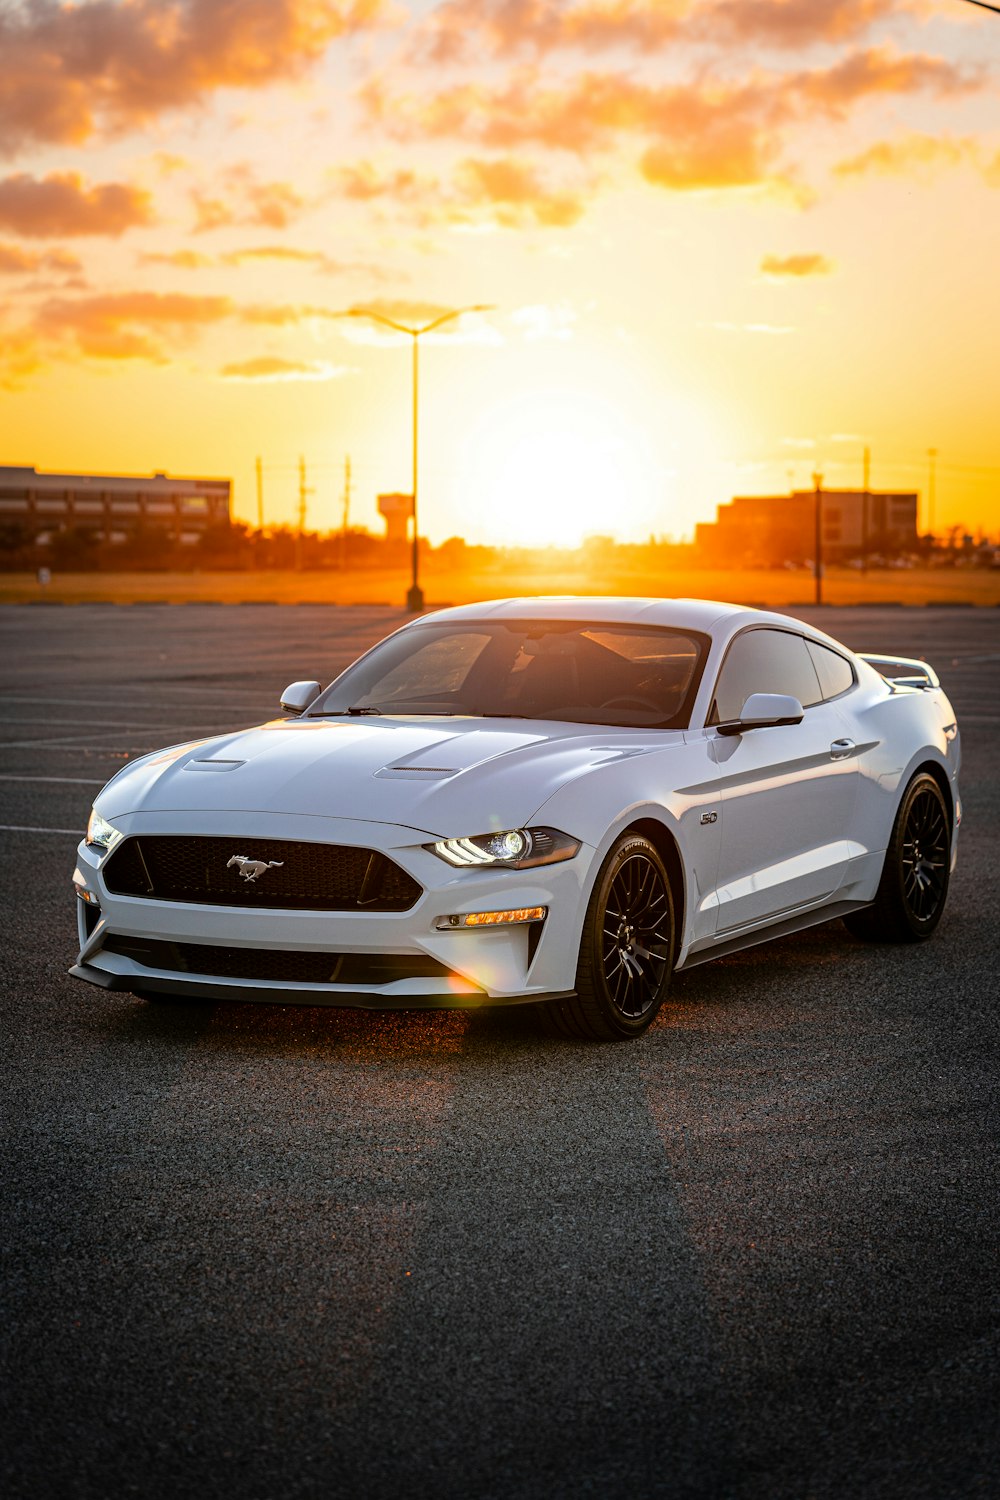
(446, 777)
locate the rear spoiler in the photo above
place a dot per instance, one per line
(903, 671)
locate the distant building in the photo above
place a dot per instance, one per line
(397, 511)
(774, 529)
(112, 505)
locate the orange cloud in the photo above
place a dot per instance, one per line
(182, 260)
(727, 154)
(467, 28)
(138, 325)
(20, 358)
(700, 135)
(274, 252)
(70, 70)
(464, 29)
(792, 23)
(589, 111)
(516, 193)
(126, 325)
(194, 260)
(502, 190)
(63, 204)
(273, 204)
(910, 153)
(269, 369)
(281, 314)
(363, 181)
(245, 200)
(879, 71)
(317, 260)
(15, 260)
(796, 266)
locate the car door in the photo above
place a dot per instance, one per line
(787, 792)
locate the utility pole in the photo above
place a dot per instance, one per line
(304, 492)
(864, 511)
(346, 512)
(260, 494)
(932, 454)
(415, 596)
(818, 543)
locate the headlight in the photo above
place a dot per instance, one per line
(515, 848)
(101, 833)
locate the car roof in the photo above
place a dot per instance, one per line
(696, 614)
(707, 615)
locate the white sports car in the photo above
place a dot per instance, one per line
(550, 800)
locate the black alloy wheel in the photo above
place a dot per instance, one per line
(914, 885)
(925, 855)
(627, 948)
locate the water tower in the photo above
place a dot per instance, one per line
(397, 511)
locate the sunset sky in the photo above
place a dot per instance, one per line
(727, 243)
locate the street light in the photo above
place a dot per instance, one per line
(415, 596)
(818, 536)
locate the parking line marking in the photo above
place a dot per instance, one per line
(69, 780)
(76, 833)
(110, 748)
(165, 724)
(154, 696)
(72, 742)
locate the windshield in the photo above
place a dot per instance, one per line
(593, 673)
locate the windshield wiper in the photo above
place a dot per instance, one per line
(339, 713)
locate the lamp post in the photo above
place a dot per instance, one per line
(818, 536)
(415, 595)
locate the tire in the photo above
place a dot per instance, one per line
(914, 884)
(626, 951)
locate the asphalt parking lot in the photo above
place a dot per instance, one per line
(274, 1252)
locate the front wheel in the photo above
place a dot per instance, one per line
(914, 885)
(626, 951)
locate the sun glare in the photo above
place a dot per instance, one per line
(554, 466)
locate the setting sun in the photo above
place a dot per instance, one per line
(551, 467)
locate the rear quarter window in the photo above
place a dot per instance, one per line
(834, 671)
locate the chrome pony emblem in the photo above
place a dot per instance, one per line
(253, 869)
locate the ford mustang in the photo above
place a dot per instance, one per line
(560, 801)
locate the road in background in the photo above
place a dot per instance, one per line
(268, 1251)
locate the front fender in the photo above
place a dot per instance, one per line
(671, 788)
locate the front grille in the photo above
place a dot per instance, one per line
(294, 876)
(277, 965)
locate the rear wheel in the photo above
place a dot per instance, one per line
(914, 885)
(626, 951)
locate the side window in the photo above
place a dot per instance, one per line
(764, 661)
(835, 674)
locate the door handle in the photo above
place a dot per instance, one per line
(841, 748)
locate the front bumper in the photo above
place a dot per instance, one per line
(504, 965)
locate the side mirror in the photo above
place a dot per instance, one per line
(764, 711)
(298, 695)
